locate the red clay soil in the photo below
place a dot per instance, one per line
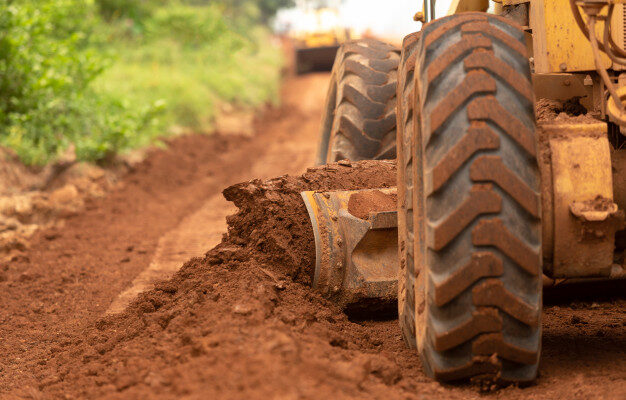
(69, 275)
(236, 323)
(242, 322)
(362, 203)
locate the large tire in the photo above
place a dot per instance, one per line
(476, 204)
(359, 120)
(405, 121)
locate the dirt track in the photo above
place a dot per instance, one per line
(240, 322)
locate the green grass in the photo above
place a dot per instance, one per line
(69, 77)
(189, 83)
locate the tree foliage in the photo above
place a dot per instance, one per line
(268, 8)
(138, 10)
(48, 59)
(109, 75)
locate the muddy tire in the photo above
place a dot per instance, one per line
(405, 123)
(359, 120)
(476, 205)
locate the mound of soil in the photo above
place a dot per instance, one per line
(240, 322)
(273, 220)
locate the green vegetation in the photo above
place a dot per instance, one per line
(112, 75)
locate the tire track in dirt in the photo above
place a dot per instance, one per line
(195, 234)
(71, 275)
(290, 151)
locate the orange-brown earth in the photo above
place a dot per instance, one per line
(241, 321)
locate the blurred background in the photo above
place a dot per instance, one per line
(391, 19)
(102, 77)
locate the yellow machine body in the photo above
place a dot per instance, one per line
(317, 40)
(580, 217)
(320, 28)
(558, 43)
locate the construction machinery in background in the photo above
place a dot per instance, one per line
(489, 198)
(317, 38)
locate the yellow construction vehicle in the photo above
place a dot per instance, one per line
(317, 39)
(490, 194)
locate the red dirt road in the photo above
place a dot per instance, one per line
(241, 322)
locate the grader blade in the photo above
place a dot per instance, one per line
(356, 247)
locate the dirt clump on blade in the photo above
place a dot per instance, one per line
(361, 204)
(240, 322)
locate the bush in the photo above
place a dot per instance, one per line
(137, 10)
(192, 26)
(41, 55)
(67, 77)
(47, 64)
(192, 59)
(262, 10)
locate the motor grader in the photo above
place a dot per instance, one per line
(316, 44)
(490, 200)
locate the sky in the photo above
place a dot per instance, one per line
(386, 18)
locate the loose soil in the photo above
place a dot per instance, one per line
(242, 321)
(362, 203)
(32, 198)
(570, 111)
